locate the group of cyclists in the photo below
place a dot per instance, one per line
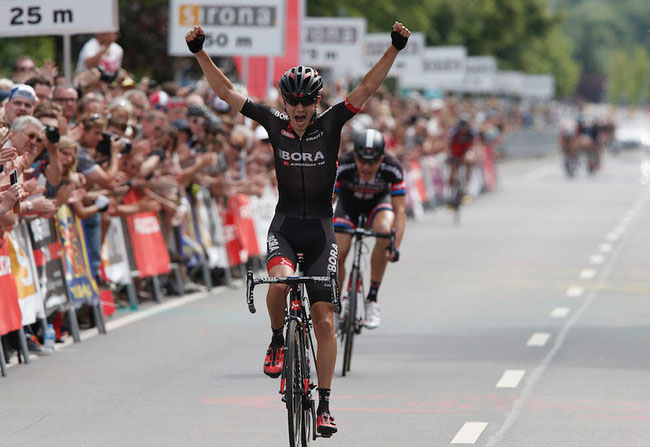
(311, 177)
(586, 137)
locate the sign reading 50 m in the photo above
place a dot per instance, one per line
(232, 27)
(47, 17)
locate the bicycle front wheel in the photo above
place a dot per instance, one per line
(294, 391)
(349, 321)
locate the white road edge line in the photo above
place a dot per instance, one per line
(538, 339)
(469, 433)
(560, 312)
(142, 314)
(511, 378)
(534, 377)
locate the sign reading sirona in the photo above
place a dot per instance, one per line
(238, 15)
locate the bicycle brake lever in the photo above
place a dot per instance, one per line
(249, 291)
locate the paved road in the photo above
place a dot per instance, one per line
(528, 325)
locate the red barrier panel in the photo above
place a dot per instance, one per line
(237, 253)
(10, 316)
(246, 224)
(149, 249)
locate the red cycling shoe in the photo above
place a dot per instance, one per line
(325, 424)
(273, 361)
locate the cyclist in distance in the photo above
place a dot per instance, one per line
(305, 146)
(461, 143)
(370, 182)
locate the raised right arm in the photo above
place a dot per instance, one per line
(217, 80)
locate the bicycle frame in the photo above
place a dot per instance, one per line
(351, 323)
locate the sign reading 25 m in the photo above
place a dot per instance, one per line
(232, 27)
(57, 17)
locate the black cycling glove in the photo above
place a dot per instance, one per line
(396, 253)
(195, 45)
(399, 41)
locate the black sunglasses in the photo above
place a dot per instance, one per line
(303, 101)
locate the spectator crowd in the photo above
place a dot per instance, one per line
(89, 143)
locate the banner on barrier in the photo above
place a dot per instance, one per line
(30, 301)
(82, 288)
(263, 209)
(210, 230)
(10, 317)
(115, 259)
(47, 257)
(239, 230)
(149, 248)
(509, 83)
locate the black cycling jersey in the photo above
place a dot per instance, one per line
(305, 166)
(355, 195)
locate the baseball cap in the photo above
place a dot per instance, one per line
(23, 91)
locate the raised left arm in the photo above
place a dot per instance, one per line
(373, 79)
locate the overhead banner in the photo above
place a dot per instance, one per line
(539, 86)
(409, 61)
(82, 288)
(48, 17)
(47, 257)
(232, 27)
(509, 83)
(442, 68)
(10, 317)
(333, 42)
(480, 75)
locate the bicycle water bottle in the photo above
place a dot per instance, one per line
(48, 339)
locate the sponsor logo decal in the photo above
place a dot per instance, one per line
(333, 258)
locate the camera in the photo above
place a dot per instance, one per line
(104, 146)
(52, 134)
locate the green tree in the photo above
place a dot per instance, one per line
(39, 48)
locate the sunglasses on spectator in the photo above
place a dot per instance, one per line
(25, 69)
(64, 99)
(34, 136)
(303, 101)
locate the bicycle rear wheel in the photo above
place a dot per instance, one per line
(294, 392)
(349, 322)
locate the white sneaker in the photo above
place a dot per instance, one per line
(373, 318)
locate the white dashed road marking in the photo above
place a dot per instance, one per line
(511, 378)
(538, 339)
(469, 433)
(613, 237)
(574, 291)
(587, 274)
(560, 312)
(605, 248)
(597, 259)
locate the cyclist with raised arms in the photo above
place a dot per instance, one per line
(370, 182)
(305, 146)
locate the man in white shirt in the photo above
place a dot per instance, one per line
(101, 51)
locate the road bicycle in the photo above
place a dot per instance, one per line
(457, 187)
(296, 384)
(352, 317)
